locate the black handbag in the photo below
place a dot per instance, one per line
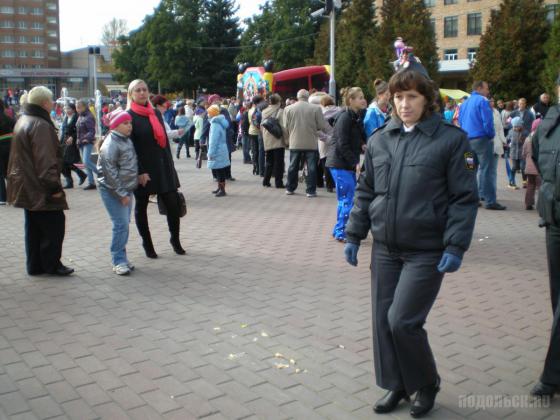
(181, 202)
(272, 125)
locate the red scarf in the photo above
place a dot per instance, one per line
(148, 111)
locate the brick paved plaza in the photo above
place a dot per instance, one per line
(262, 319)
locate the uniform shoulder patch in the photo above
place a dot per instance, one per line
(469, 161)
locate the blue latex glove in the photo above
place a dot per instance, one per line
(449, 263)
(351, 253)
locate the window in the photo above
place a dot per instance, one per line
(51, 20)
(38, 25)
(53, 47)
(450, 55)
(6, 24)
(51, 6)
(8, 53)
(22, 10)
(451, 26)
(433, 24)
(7, 10)
(552, 12)
(23, 54)
(474, 23)
(52, 34)
(471, 53)
(430, 3)
(22, 39)
(37, 11)
(37, 40)
(448, 2)
(38, 54)
(7, 39)
(36, 66)
(22, 25)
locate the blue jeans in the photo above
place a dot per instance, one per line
(483, 148)
(120, 217)
(85, 152)
(246, 142)
(311, 157)
(345, 186)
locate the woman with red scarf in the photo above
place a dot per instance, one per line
(156, 171)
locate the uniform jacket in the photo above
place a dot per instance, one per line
(85, 128)
(152, 159)
(546, 156)
(35, 163)
(418, 191)
(302, 121)
(271, 142)
(117, 165)
(218, 153)
(475, 117)
(345, 146)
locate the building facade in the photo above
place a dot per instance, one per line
(458, 25)
(30, 51)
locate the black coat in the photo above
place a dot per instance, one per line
(152, 159)
(345, 145)
(418, 190)
(71, 153)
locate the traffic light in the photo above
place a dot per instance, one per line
(328, 6)
(94, 50)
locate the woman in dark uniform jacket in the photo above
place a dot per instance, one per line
(418, 196)
(156, 171)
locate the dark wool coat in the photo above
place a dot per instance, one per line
(152, 159)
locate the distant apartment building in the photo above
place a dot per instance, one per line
(458, 25)
(30, 51)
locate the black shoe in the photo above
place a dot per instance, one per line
(62, 271)
(495, 206)
(178, 156)
(424, 399)
(150, 251)
(90, 187)
(82, 179)
(390, 401)
(176, 244)
(529, 208)
(268, 185)
(544, 390)
(231, 178)
(280, 186)
(216, 191)
(221, 193)
(68, 186)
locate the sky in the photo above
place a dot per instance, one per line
(81, 22)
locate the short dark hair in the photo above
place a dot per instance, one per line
(477, 84)
(257, 99)
(274, 99)
(413, 80)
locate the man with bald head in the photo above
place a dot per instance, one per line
(303, 120)
(541, 107)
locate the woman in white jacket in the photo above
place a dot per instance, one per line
(499, 142)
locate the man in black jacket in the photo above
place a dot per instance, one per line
(546, 155)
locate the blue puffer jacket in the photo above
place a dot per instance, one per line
(218, 154)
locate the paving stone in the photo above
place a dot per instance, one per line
(45, 407)
(13, 403)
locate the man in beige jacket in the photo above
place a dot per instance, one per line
(302, 121)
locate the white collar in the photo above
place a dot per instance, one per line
(408, 129)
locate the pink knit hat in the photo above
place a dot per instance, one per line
(117, 117)
(214, 98)
(535, 124)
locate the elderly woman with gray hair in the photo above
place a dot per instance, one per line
(85, 128)
(34, 184)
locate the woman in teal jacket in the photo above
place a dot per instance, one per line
(218, 154)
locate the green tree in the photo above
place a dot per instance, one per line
(511, 50)
(284, 32)
(356, 32)
(551, 66)
(409, 19)
(222, 39)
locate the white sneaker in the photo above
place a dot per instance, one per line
(121, 269)
(311, 195)
(288, 192)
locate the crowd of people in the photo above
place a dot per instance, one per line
(412, 173)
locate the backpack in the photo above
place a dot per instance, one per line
(245, 122)
(256, 118)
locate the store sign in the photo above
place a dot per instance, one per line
(43, 73)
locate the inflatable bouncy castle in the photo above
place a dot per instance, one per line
(253, 81)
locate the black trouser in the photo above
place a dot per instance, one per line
(196, 148)
(274, 164)
(324, 175)
(255, 154)
(228, 169)
(67, 173)
(44, 234)
(404, 286)
(140, 213)
(551, 371)
(4, 158)
(183, 141)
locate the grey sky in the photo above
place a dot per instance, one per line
(81, 22)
